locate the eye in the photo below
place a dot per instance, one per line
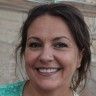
(60, 45)
(35, 45)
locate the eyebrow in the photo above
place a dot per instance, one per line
(32, 37)
(57, 38)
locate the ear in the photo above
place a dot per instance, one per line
(80, 56)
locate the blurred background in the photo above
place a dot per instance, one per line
(12, 15)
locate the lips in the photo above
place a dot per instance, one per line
(47, 71)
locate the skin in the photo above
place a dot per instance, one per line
(50, 45)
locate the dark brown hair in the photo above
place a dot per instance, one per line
(79, 30)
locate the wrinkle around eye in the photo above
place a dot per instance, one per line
(34, 45)
(60, 45)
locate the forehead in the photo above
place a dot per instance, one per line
(49, 26)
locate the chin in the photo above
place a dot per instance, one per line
(47, 85)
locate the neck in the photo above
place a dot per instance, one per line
(32, 91)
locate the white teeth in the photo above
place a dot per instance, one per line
(48, 70)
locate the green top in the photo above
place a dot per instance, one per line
(14, 89)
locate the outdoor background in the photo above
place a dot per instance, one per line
(13, 14)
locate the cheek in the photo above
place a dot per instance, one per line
(69, 60)
(30, 57)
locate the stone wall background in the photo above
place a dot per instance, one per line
(10, 23)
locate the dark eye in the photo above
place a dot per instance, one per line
(35, 45)
(60, 45)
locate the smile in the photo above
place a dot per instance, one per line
(48, 71)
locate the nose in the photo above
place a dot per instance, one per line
(46, 55)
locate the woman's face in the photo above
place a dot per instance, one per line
(51, 55)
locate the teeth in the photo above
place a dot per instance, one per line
(48, 70)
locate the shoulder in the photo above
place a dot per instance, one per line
(13, 89)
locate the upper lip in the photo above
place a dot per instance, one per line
(48, 67)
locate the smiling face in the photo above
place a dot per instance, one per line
(51, 55)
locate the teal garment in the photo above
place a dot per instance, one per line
(14, 89)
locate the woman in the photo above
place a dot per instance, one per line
(55, 45)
